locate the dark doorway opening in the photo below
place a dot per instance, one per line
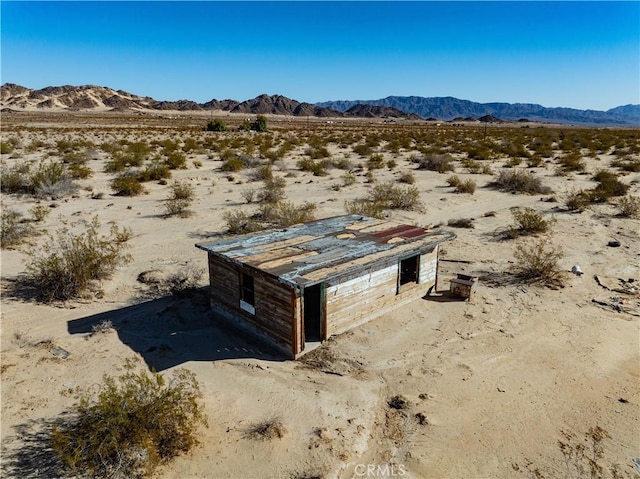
(313, 312)
(409, 268)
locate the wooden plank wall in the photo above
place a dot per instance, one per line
(275, 309)
(374, 293)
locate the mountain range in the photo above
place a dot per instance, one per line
(89, 97)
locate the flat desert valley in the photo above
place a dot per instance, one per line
(439, 388)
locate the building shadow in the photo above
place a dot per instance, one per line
(169, 331)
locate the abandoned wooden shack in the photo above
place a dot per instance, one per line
(300, 285)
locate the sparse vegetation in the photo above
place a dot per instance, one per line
(527, 221)
(216, 125)
(70, 265)
(537, 261)
(461, 223)
(266, 430)
(629, 206)
(13, 228)
(127, 184)
(179, 200)
(519, 181)
(131, 424)
(435, 162)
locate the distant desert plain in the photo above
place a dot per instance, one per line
(513, 383)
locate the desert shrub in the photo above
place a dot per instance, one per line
(391, 164)
(240, 222)
(453, 180)
(127, 185)
(376, 161)
(184, 281)
(435, 162)
(318, 168)
(273, 191)
(13, 228)
(608, 186)
(216, 125)
(468, 186)
(5, 148)
(395, 197)
(52, 179)
(179, 200)
(407, 177)
(248, 195)
(461, 223)
(527, 221)
(176, 160)
(571, 162)
(155, 171)
(627, 164)
(537, 261)
(342, 164)
(629, 206)
(70, 265)
(197, 164)
(131, 424)
(365, 207)
(232, 164)
(266, 430)
(262, 173)
(519, 181)
(317, 152)
(348, 179)
(39, 213)
(260, 124)
(363, 149)
(285, 213)
(577, 200)
(15, 179)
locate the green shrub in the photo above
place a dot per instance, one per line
(571, 162)
(127, 185)
(260, 124)
(273, 191)
(537, 261)
(376, 161)
(216, 125)
(15, 179)
(519, 181)
(5, 148)
(318, 168)
(131, 424)
(154, 171)
(608, 186)
(70, 265)
(176, 160)
(348, 179)
(233, 164)
(528, 221)
(240, 222)
(396, 197)
(285, 213)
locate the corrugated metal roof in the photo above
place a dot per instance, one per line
(319, 250)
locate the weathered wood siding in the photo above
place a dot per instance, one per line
(275, 306)
(428, 268)
(374, 293)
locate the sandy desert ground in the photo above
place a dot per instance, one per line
(491, 384)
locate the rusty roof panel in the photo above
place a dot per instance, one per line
(302, 253)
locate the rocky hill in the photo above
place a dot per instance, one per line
(97, 98)
(449, 108)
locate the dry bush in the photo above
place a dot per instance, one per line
(468, 186)
(70, 265)
(266, 430)
(461, 223)
(285, 213)
(577, 200)
(407, 177)
(348, 179)
(240, 222)
(273, 191)
(571, 162)
(13, 228)
(39, 213)
(365, 207)
(395, 197)
(435, 162)
(527, 221)
(519, 181)
(130, 424)
(453, 180)
(181, 197)
(248, 195)
(318, 168)
(537, 261)
(183, 282)
(375, 161)
(629, 206)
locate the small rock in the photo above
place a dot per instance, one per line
(614, 244)
(575, 269)
(60, 353)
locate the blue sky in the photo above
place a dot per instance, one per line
(572, 54)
